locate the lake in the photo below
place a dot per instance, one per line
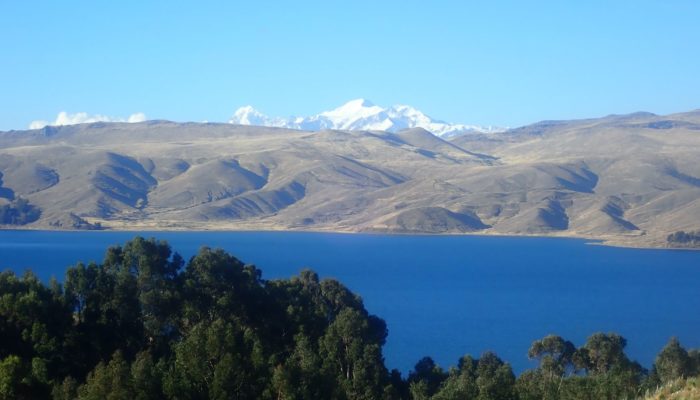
(446, 296)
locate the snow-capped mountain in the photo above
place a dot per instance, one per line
(361, 114)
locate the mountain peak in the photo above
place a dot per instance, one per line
(361, 114)
(247, 115)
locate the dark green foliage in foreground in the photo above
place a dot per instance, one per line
(674, 362)
(19, 212)
(684, 239)
(146, 325)
(597, 370)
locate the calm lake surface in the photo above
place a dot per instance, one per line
(446, 296)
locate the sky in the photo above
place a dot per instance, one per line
(504, 63)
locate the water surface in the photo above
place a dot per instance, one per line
(446, 296)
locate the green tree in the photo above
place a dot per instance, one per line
(66, 390)
(419, 390)
(694, 356)
(217, 360)
(399, 387)
(107, 312)
(12, 375)
(428, 372)
(612, 373)
(146, 377)
(581, 387)
(529, 385)
(601, 353)
(33, 322)
(110, 381)
(555, 356)
(337, 297)
(154, 268)
(460, 382)
(299, 376)
(673, 362)
(351, 354)
(218, 285)
(495, 379)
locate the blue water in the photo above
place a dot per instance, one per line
(446, 296)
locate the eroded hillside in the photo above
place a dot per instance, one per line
(630, 179)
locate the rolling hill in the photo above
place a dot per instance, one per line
(626, 179)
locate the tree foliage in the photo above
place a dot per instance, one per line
(144, 324)
(673, 362)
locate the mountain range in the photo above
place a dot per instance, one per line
(363, 115)
(626, 179)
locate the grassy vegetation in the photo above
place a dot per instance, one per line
(678, 389)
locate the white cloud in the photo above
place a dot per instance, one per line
(136, 117)
(38, 124)
(64, 118)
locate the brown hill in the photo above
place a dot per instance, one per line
(631, 179)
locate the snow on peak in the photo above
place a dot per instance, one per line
(361, 114)
(248, 116)
(356, 115)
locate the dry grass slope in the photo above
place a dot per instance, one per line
(681, 389)
(629, 180)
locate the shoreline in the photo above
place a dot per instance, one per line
(617, 242)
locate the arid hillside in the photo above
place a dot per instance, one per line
(629, 179)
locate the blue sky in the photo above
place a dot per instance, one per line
(496, 62)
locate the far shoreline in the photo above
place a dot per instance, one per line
(617, 242)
